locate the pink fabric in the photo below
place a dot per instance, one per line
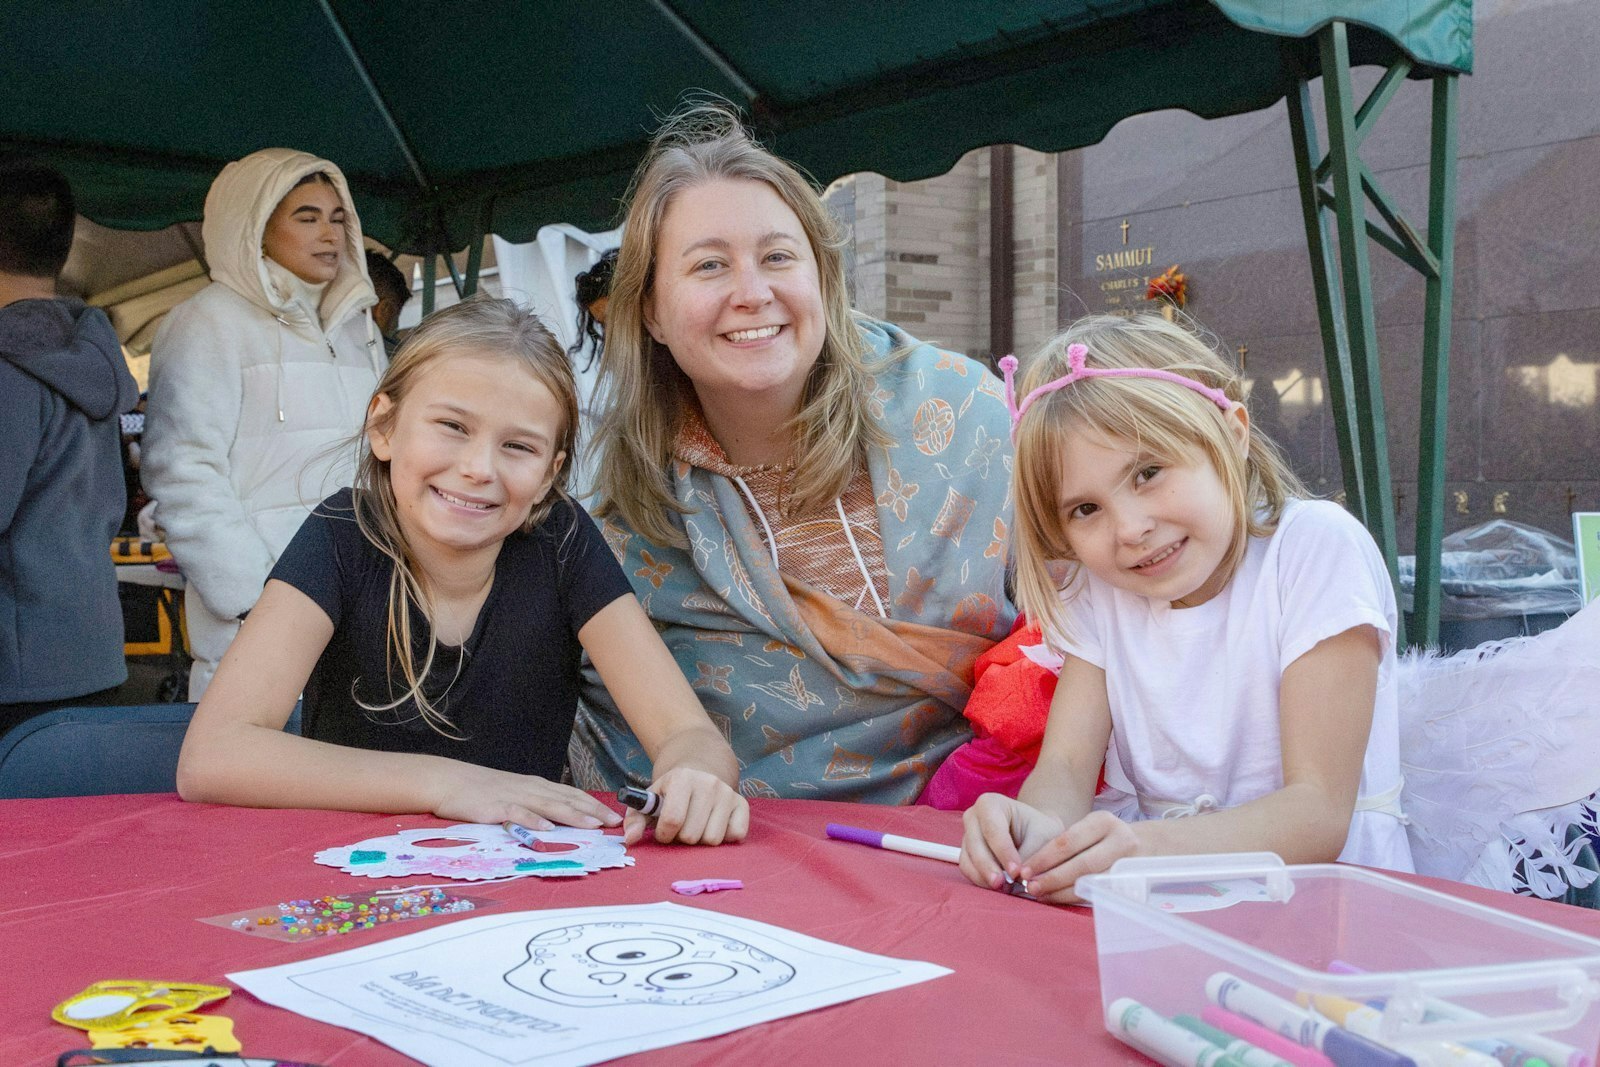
(982, 765)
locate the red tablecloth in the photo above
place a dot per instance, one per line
(112, 887)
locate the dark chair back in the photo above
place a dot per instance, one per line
(83, 752)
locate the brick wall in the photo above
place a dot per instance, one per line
(916, 254)
(921, 251)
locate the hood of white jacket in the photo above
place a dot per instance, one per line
(237, 208)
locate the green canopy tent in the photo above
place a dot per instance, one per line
(455, 120)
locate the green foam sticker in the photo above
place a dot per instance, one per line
(548, 865)
(361, 856)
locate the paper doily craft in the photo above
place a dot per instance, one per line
(476, 851)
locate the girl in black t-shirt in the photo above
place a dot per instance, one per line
(433, 617)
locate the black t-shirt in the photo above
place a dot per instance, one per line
(516, 693)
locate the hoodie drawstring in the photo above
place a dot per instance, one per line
(372, 345)
(282, 325)
(855, 549)
(761, 516)
(849, 535)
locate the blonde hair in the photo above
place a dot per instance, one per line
(645, 393)
(480, 326)
(1163, 419)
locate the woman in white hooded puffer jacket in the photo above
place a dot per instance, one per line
(255, 382)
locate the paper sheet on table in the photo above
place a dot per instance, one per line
(575, 986)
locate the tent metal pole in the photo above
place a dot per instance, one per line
(1002, 251)
(430, 277)
(475, 247)
(469, 284)
(1372, 107)
(1325, 284)
(378, 102)
(705, 48)
(1409, 249)
(455, 275)
(1436, 357)
(1356, 271)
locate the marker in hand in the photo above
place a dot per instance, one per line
(644, 801)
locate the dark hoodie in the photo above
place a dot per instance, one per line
(63, 384)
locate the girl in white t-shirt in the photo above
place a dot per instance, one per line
(1227, 647)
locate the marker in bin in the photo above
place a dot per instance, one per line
(1512, 1050)
(1160, 1037)
(1303, 1027)
(1360, 1019)
(1247, 1054)
(1262, 1038)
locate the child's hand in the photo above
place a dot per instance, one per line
(482, 795)
(1088, 846)
(999, 832)
(697, 808)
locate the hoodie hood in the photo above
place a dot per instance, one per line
(72, 349)
(237, 208)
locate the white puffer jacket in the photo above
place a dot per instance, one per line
(254, 396)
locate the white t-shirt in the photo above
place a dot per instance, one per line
(1194, 691)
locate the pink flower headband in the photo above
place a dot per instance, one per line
(1077, 356)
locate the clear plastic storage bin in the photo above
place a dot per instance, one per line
(1196, 950)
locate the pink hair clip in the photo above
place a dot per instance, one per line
(1077, 357)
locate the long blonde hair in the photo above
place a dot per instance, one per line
(1161, 418)
(644, 394)
(481, 326)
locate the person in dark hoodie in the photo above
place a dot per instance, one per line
(63, 386)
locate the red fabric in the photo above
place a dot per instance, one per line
(1010, 702)
(111, 887)
(1008, 709)
(1011, 694)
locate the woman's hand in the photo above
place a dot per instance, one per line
(697, 808)
(695, 769)
(1088, 846)
(999, 832)
(470, 793)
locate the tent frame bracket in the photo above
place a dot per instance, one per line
(1342, 277)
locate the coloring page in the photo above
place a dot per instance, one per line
(575, 986)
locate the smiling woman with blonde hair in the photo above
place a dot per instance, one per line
(811, 505)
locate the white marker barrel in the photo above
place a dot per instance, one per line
(1155, 1034)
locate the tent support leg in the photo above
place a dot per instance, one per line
(430, 278)
(1361, 328)
(1345, 309)
(1325, 283)
(474, 264)
(1436, 357)
(455, 275)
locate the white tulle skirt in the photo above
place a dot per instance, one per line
(1500, 748)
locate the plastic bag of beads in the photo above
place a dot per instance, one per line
(309, 918)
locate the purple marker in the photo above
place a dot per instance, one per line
(1344, 1048)
(1534, 1044)
(895, 843)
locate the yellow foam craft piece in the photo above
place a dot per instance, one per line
(191, 1033)
(115, 1004)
